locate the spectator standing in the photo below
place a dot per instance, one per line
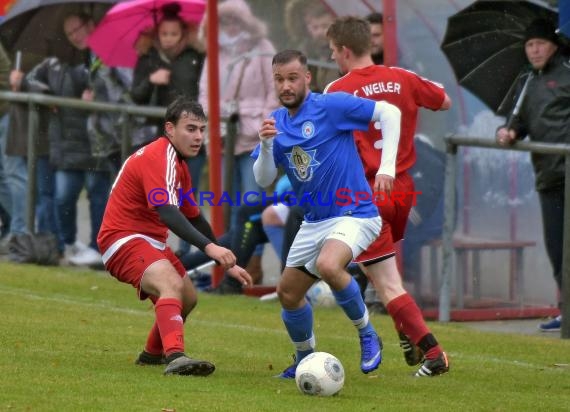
(5, 195)
(306, 22)
(16, 163)
(376, 21)
(70, 151)
(246, 91)
(545, 117)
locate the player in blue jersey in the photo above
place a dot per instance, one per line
(311, 139)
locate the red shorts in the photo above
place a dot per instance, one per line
(394, 212)
(130, 262)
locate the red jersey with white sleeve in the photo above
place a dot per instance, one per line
(155, 175)
(402, 88)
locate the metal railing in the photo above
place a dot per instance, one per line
(33, 100)
(452, 143)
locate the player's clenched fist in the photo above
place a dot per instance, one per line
(267, 130)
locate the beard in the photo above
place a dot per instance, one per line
(294, 103)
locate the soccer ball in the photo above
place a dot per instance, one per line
(320, 374)
(320, 294)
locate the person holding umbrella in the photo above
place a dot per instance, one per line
(69, 147)
(544, 116)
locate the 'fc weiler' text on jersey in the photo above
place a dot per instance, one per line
(402, 88)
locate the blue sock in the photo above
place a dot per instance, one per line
(299, 324)
(275, 236)
(350, 300)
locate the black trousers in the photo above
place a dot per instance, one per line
(552, 206)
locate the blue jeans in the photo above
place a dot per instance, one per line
(45, 205)
(68, 186)
(16, 175)
(5, 195)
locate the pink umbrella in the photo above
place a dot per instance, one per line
(114, 38)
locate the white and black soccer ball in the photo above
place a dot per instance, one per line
(320, 294)
(320, 373)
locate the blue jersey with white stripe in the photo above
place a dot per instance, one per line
(316, 149)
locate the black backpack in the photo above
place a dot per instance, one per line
(39, 248)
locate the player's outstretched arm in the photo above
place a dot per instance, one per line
(173, 218)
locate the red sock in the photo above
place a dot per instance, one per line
(409, 320)
(170, 324)
(153, 342)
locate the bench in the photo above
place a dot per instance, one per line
(469, 249)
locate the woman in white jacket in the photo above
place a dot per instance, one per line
(246, 80)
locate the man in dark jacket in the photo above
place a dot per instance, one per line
(545, 117)
(70, 150)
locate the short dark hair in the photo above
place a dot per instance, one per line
(375, 18)
(181, 105)
(289, 55)
(352, 33)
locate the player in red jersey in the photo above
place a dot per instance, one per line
(152, 194)
(349, 40)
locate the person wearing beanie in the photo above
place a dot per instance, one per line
(545, 117)
(541, 29)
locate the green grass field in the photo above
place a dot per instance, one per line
(69, 338)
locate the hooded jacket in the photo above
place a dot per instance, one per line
(246, 75)
(545, 117)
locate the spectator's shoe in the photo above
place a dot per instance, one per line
(74, 249)
(87, 257)
(148, 359)
(180, 364)
(553, 325)
(412, 354)
(370, 352)
(434, 367)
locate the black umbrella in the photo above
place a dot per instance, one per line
(485, 45)
(35, 27)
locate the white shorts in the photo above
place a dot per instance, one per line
(356, 233)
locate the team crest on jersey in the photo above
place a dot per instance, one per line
(308, 129)
(302, 162)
